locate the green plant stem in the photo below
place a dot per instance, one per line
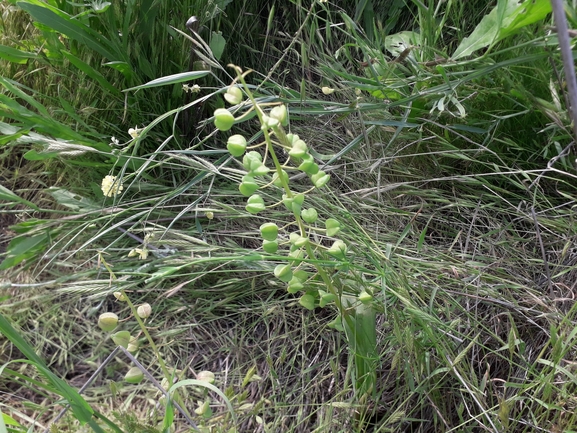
(567, 55)
(165, 371)
(282, 137)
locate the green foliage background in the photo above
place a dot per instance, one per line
(452, 167)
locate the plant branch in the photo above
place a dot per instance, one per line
(567, 55)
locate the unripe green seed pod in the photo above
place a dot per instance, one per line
(325, 298)
(248, 186)
(269, 122)
(309, 166)
(206, 376)
(301, 241)
(247, 189)
(307, 301)
(252, 160)
(120, 297)
(283, 272)
(134, 375)
(280, 113)
(233, 95)
(320, 179)
(133, 345)
(203, 408)
(288, 202)
(236, 145)
(332, 226)
(269, 231)
(309, 215)
(121, 338)
(337, 324)
(293, 237)
(255, 204)
(301, 275)
(296, 253)
(294, 285)
(338, 250)
(276, 180)
(294, 203)
(108, 321)
(270, 247)
(223, 119)
(299, 149)
(365, 297)
(259, 170)
(144, 311)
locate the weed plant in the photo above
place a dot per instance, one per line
(452, 174)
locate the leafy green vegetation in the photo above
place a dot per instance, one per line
(365, 225)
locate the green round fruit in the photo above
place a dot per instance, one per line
(269, 231)
(309, 215)
(236, 145)
(223, 119)
(270, 247)
(233, 95)
(255, 204)
(108, 321)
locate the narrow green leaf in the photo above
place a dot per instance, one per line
(171, 79)
(122, 67)
(6, 194)
(6, 419)
(91, 72)
(62, 23)
(81, 409)
(14, 87)
(14, 55)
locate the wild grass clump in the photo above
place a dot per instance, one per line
(446, 164)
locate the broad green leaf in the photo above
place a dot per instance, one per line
(7, 195)
(171, 79)
(399, 42)
(7, 129)
(217, 44)
(527, 13)
(81, 409)
(21, 248)
(73, 201)
(504, 20)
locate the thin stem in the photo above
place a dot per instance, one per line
(567, 55)
(165, 371)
